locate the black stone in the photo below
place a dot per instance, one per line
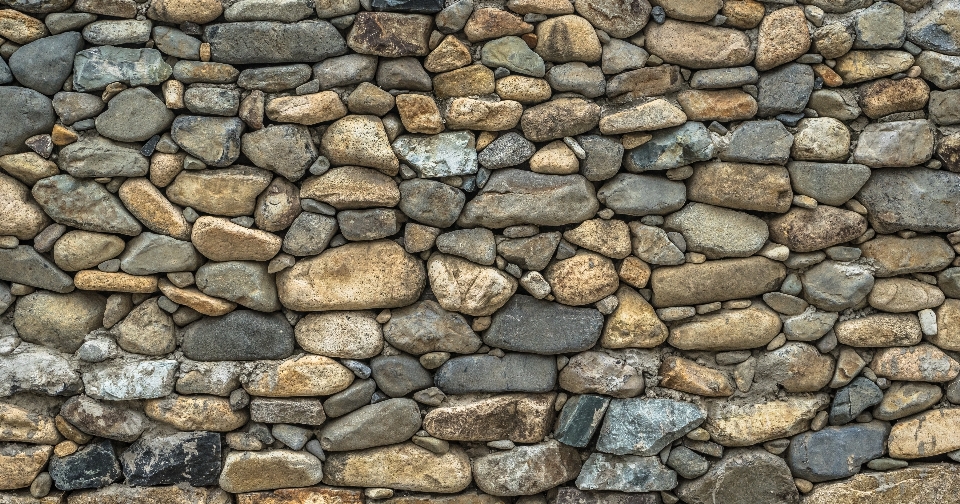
(399, 375)
(93, 466)
(241, 335)
(184, 457)
(417, 6)
(527, 324)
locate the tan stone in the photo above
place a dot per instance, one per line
(860, 66)
(490, 23)
(887, 96)
(147, 330)
(948, 326)
(403, 466)
(180, 11)
(95, 280)
(58, 321)
(526, 90)
(302, 376)
(891, 255)
(559, 118)
(221, 240)
(310, 495)
(899, 295)
(452, 53)
(521, 418)
(634, 272)
(526, 470)
(468, 497)
(783, 38)
(250, 471)
(230, 192)
(644, 82)
(880, 330)
(724, 330)
(694, 284)
(807, 230)
(733, 423)
(466, 287)
(152, 208)
(634, 324)
(22, 426)
(917, 484)
(555, 158)
(77, 250)
(722, 105)
(763, 188)
(419, 114)
(196, 300)
(930, 433)
(830, 78)
(65, 448)
(743, 14)
(350, 187)
(309, 109)
(582, 279)
(123, 494)
(165, 167)
(360, 140)
(484, 115)
(794, 367)
(20, 28)
(20, 463)
(698, 46)
(341, 334)
(467, 81)
(687, 376)
(549, 7)
(62, 136)
(567, 38)
(28, 167)
(849, 365)
(355, 276)
(599, 373)
(690, 11)
(922, 362)
(22, 216)
(608, 237)
(648, 116)
(196, 412)
(903, 399)
(70, 432)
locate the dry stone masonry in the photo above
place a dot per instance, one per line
(479, 251)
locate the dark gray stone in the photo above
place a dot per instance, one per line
(672, 148)
(355, 396)
(368, 224)
(207, 100)
(431, 202)
(383, 423)
(763, 142)
(184, 457)
(938, 30)
(626, 473)
(6, 76)
(854, 399)
(84, 204)
(507, 150)
(917, 199)
(274, 79)
(426, 327)
(417, 6)
(93, 466)
(476, 245)
(95, 68)
(24, 113)
(345, 70)
(24, 265)
(646, 426)
(273, 42)
(527, 324)
(743, 476)
(514, 372)
(604, 156)
(828, 183)
(309, 234)
(579, 419)
(285, 149)
(399, 375)
(644, 194)
(213, 140)
(240, 335)
(245, 282)
(533, 253)
(784, 89)
(73, 107)
(836, 452)
(44, 64)
(274, 410)
(150, 253)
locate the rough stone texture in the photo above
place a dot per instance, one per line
(693, 284)
(252, 471)
(521, 418)
(525, 470)
(645, 426)
(742, 476)
(403, 466)
(915, 484)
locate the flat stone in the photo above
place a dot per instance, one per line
(190, 72)
(877, 144)
(900, 295)
(647, 116)
(513, 197)
(743, 476)
(579, 419)
(442, 155)
(620, 20)
(18, 372)
(213, 140)
(718, 232)
(100, 157)
(795, 367)
(643, 194)
(646, 82)
(745, 424)
(350, 399)
(399, 375)
(741, 186)
(814, 456)
(284, 149)
(430, 202)
(482, 114)
(880, 330)
(887, 96)
(390, 34)
(351, 187)
(889, 209)
(828, 183)
(274, 79)
(299, 376)
(272, 42)
(694, 284)
(521, 418)
(628, 473)
(837, 286)
(892, 255)
(922, 362)
(28, 167)
(196, 412)
(652, 245)
(672, 148)
(903, 399)
(911, 485)
(925, 435)
(599, 373)
(765, 142)
(754, 327)
(243, 282)
(510, 149)
(698, 46)
(251, 471)
(546, 465)
(513, 372)
(95, 68)
(935, 30)
(403, 466)
(807, 230)
(559, 118)
(120, 493)
(21, 464)
(349, 335)
(45, 64)
(288, 11)
(185, 457)
(84, 204)
(150, 253)
(239, 335)
(426, 327)
(608, 237)
(860, 66)
(93, 466)
(318, 494)
(230, 192)
(104, 419)
(687, 376)
(383, 423)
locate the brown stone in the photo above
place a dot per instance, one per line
(95, 280)
(582, 279)
(888, 96)
(391, 34)
(165, 167)
(567, 38)
(917, 484)
(559, 118)
(221, 240)
(350, 187)
(181, 11)
(484, 115)
(490, 23)
(549, 7)
(634, 272)
(743, 14)
(250, 471)
(734, 423)
(634, 324)
(891, 255)
(903, 399)
(28, 167)
(230, 192)
(687, 376)
(725, 330)
(472, 80)
(21, 463)
(196, 412)
(152, 208)
(309, 109)
(930, 433)
(23, 426)
(78, 250)
(599, 373)
(860, 66)
(694, 284)
(555, 158)
(880, 330)
(403, 466)
(763, 188)
(467, 287)
(22, 216)
(196, 300)
(649, 81)
(123, 494)
(783, 38)
(922, 362)
(608, 237)
(452, 53)
(724, 105)
(698, 46)
(309, 495)
(806, 230)
(830, 78)
(419, 114)
(19, 27)
(360, 140)
(521, 418)
(302, 376)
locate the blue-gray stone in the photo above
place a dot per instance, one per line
(743, 476)
(93, 466)
(417, 6)
(828, 183)
(399, 375)
(44, 64)
(241, 335)
(854, 399)
(514, 372)
(213, 140)
(94, 68)
(527, 324)
(672, 148)
(24, 113)
(645, 426)
(604, 156)
(784, 89)
(836, 452)
(184, 457)
(917, 199)
(97, 156)
(763, 142)
(84, 204)
(939, 30)
(625, 473)
(723, 78)
(579, 419)
(24, 265)
(442, 155)
(273, 42)
(643, 194)
(174, 42)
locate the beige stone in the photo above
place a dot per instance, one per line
(484, 115)
(147, 330)
(28, 167)
(526, 90)
(489, 23)
(22, 216)
(555, 158)
(888, 96)
(123, 494)
(196, 300)
(849, 365)
(521, 418)
(309, 109)
(783, 38)
(634, 324)
(221, 240)
(78, 250)
(350, 187)
(196, 412)
(891, 255)
(367, 98)
(694, 284)
(743, 14)
(899, 295)
(230, 192)
(917, 484)
(341, 334)
(567, 38)
(821, 139)
(58, 321)
(582, 279)
(903, 399)
(599, 373)
(923, 362)
(648, 116)
(165, 167)
(549, 7)
(19, 27)
(21, 463)
(472, 80)
(794, 367)
(930, 433)
(452, 53)
(734, 423)
(310, 495)
(762, 188)
(948, 326)
(302, 376)
(419, 114)
(698, 46)
(466, 287)
(559, 118)
(807, 230)
(96, 280)
(355, 276)
(404, 466)
(722, 105)
(250, 471)
(608, 237)
(880, 330)
(359, 140)
(687, 376)
(153, 209)
(23, 426)
(180, 11)
(860, 66)
(526, 470)
(724, 330)
(690, 11)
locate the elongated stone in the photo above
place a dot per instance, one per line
(84, 204)
(95, 68)
(521, 418)
(527, 324)
(403, 466)
(272, 42)
(513, 197)
(693, 284)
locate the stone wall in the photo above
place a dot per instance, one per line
(345, 251)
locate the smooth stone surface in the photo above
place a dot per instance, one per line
(59, 321)
(252, 471)
(924, 209)
(698, 46)
(45, 64)
(694, 284)
(836, 286)
(727, 330)
(514, 372)
(346, 334)
(213, 140)
(426, 327)
(383, 423)
(24, 265)
(271, 42)
(743, 476)
(239, 335)
(718, 232)
(925, 435)
(836, 452)
(643, 194)
(878, 144)
(762, 188)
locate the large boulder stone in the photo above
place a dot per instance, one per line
(526, 324)
(836, 452)
(239, 335)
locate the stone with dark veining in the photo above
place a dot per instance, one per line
(836, 452)
(390, 35)
(239, 335)
(514, 372)
(272, 42)
(37, 369)
(625, 473)
(645, 426)
(527, 324)
(184, 457)
(513, 197)
(521, 418)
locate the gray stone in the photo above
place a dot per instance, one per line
(743, 476)
(84, 204)
(938, 30)
(943, 107)
(809, 325)
(426, 327)
(880, 26)
(764, 142)
(95, 68)
(513, 54)
(895, 144)
(652, 245)
(60, 22)
(292, 436)
(646, 426)
(718, 232)
(274, 79)
(241, 335)
(287, 11)
(150, 253)
(580, 418)
(477, 245)
(514, 372)
(44, 64)
(345, 70)
(272, 42)
(208, 100)
(545, 465)
(571, 495)
(403, 73)
(174, 42)
(183, 457)
(510, 149)
(835, 286)
(533, 253)
(828, 183)
(430, 202)
(369, 224)
(722, 78)
(836, 452)
(577, 77)
(604, 156)
(213, 140)
(40, 370)
(672, 148)
(309, 234)
(73, 107)
(620, 55)
(285, 149)
(25, 113)
(274, 410)
(644, 194)
(353, 397)
(454, 17)
(628, 473)
(383, 423)
(24, 265)
(917, 199)
(243, 282)
(93, 466)
(854, 399)
(511, 197)
(527, 324)
(941, 70)
(784, 89)
(6, 76)
(104, 419)
(99, 157)
(687, 462)
(118, 380)
(117, 32)
(949, 282)
(442, 155)
(399, 375)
